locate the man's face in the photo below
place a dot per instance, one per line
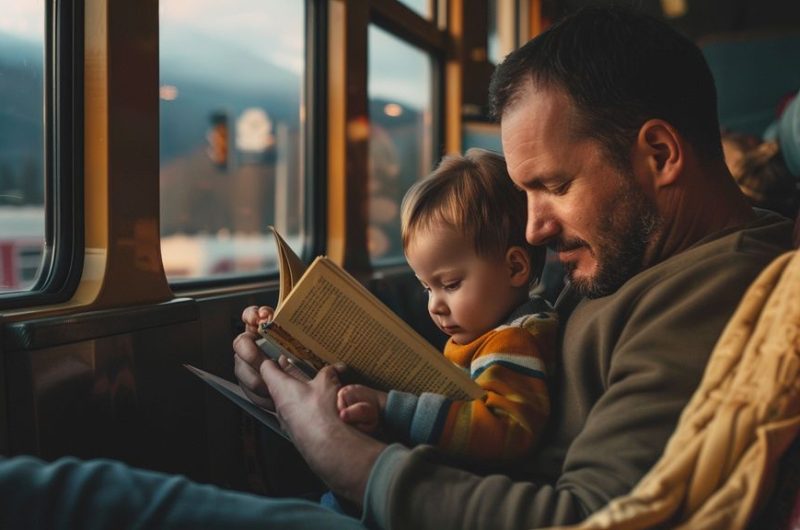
(597, 218)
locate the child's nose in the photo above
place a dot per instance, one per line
(436, 305)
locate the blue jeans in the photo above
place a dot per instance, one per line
(101, 494)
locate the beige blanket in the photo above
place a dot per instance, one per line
(719, 464)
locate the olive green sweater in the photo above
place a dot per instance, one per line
(630, 361)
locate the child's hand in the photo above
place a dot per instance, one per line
(361, 407)
(252, 316)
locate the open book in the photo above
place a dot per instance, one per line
(324, 315)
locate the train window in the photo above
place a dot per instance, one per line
(423, 7)
(400, 91)
(22, 130)
(500, 32)
(231, 104)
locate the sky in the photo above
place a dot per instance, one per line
(270, 29)
(22, 18)
(274, 31)
(277, 24)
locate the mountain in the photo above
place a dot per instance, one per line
(210, 76)
(21, 121)
(215, 76)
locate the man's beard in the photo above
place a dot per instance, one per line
(622, 241)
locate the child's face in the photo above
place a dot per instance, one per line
(468, 295)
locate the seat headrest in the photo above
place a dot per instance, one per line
(797, 231)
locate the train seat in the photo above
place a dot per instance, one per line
(735, 453)
(797, 232)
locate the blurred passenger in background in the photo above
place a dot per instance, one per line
(768, 170)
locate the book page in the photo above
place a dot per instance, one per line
(338, 319)
(290, 267)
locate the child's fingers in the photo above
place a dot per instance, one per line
(363, 427)
(265, 313)
(253, 315)
(347, 395)
(250, 315)
(342, 398)
(355, 393)
(360, 413)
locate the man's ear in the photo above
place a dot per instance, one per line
(518, 264)
(659, 153)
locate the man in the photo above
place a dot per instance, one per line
(608, 123)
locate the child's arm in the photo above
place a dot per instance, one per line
(361, 407)
(504, 424)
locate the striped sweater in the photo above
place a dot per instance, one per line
(510, 363)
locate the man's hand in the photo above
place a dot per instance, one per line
(339, 454)
(248, 357)
(361, 407)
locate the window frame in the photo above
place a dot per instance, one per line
(348, 174)
(62, 253)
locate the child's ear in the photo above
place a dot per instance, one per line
(519, 266)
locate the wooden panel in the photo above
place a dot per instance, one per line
(407, 24)
(124, 396)
(122, 263)
(454, 73)
(348, 135)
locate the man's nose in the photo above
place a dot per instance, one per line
(541, 226)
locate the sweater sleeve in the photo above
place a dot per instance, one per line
(99, 494)
(503, 424)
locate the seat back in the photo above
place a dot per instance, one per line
(797, 232)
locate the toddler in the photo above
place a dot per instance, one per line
(463, 235)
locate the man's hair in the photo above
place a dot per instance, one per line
(473, 195)
(619, 68)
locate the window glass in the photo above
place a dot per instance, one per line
(231, 134)
(22, 216)
(400, 92)
(493, 46)
(502, 27)
(423, 7)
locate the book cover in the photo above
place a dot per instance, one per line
(235, 394)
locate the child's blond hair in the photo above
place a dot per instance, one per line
(472, 194)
